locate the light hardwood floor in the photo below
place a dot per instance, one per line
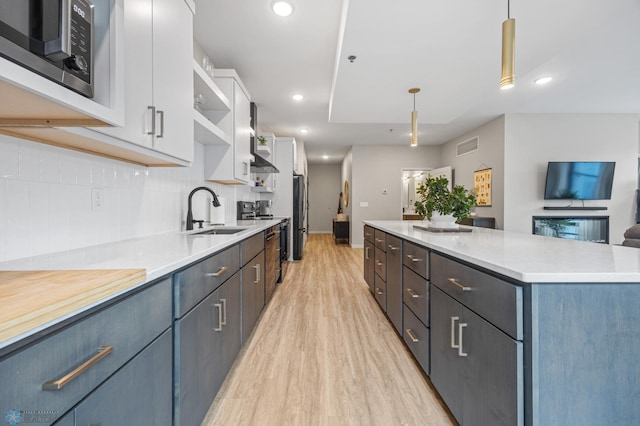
(323, 353)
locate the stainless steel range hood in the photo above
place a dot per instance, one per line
(259, 164)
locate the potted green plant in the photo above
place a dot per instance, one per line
(438, 204)
(262, 141)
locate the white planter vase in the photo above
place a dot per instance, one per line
(446, 221)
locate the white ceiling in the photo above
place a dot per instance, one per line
(451, 50)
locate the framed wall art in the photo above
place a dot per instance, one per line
(482, 187)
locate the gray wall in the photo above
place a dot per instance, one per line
(376, 168)
(532, 140)
(325, 186)
(490, 154)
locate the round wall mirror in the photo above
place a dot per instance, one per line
(346, 193)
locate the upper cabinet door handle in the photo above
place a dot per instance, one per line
(153, 120)
(161, 133)
(392, 247)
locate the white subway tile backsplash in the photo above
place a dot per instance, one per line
(45, 198)
(3, 216)
(17, 219)
(9, 158)
(29, 163)
(50, 172)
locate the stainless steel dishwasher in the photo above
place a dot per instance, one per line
(272, 260)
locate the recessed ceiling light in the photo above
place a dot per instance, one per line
(542, 80)
(304, 130)
(325, 157)
(282, 8)
(297, 97)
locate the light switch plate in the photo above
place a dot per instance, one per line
(364, 204)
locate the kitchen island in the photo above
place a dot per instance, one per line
(151, 329)
(514, 328)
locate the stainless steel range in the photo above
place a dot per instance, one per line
(246, 210)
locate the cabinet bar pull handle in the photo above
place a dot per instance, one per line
(153, 120)
(224, 308)
(453, 332)
(379, 291)
(412, 337)
(366, 253)
(63, 381)
(161, 133)
(379, 263)
(461, 325)
(219, 272)
(412, 293)
(392, 247)
(218, 306)
(413, 259)
(457, 284)
(378, 240)
(257, 267)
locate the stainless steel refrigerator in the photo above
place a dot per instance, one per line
(299, 210)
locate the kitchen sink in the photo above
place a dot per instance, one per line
(220, 231)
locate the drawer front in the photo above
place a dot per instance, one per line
(251, 247)
(415, 258)
(416, 295)
(198, 281)
(369, 233)
(127, 326)
(497, 301)
(380, 239)
(380, 292)
(127, 399)
(416, 336)
(380, 263)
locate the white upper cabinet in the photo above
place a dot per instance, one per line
(143, 86)
(158, 77)
(27, 98)
(231, 164)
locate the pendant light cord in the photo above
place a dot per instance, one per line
(508, 9)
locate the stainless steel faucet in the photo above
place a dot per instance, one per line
(216, 203)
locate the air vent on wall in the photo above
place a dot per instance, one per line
(470, 145)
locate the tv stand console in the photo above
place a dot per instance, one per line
(574, 208)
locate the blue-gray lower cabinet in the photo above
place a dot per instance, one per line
(394, 281)
(207, 341)
(253, 293)
(107, 340)
(476, 368)
(369, 264)
(138, 394)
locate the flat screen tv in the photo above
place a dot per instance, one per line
(579, 180)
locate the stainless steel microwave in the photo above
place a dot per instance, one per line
(53, 38)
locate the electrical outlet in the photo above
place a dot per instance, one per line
(97, 199)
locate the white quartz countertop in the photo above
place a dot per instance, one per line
(159, 255)
(527, 258)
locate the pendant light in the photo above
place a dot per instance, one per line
(508, 51)
(414, 118)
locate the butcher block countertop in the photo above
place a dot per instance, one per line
(30, 299)
(39, 294)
